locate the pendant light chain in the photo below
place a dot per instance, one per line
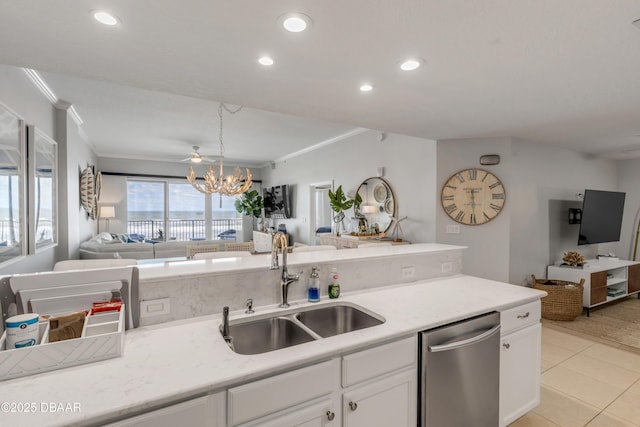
(229, 185)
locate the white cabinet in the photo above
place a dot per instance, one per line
(377, 386)
(318, 413)
(389, 401)
(520, 345)
(381, 385)
(207, 411)
(605, 280)
(256, 403)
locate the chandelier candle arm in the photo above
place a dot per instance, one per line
(231, 185)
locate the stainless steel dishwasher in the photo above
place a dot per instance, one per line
(460, 373)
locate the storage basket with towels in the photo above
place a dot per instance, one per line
(563, 300)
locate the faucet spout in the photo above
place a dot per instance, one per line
(225, 324)
(280, 244)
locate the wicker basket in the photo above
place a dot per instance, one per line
(563, 300)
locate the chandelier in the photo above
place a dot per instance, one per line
(230, 185)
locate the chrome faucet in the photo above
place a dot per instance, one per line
(280, 243)
(225, 324)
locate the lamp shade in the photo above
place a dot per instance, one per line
(107, 212)
(368, 209)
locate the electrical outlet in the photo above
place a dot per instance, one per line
(408, 272)
(447, 267)
(453, 229)
(155, 307)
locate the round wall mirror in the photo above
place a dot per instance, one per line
(378, 203)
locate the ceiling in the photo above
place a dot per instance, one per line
(563, 73)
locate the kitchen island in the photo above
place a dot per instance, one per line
(177, 361)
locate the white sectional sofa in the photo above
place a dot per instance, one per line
(105, 246)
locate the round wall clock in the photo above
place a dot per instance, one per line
(473, 196)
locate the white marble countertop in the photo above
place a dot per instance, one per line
(176, 360)
(170, 270)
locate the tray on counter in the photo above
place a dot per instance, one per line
(102, 338)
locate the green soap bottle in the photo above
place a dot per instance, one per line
(334, 286)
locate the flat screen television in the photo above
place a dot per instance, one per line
(601, 217)
(277, 202)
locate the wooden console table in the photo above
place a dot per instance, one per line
(604, 280)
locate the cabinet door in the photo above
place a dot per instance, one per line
(323, 412)
(598, 287)
(391, 401)
(519, 373)
(207, 411)
(633, 273)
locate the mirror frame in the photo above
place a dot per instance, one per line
(390, 195)
(18, 247)
(36, 141)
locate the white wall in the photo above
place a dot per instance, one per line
(19, 94)
(410, 169)
(628, 181)
(488, 244)
(541, 173)
(517, 243)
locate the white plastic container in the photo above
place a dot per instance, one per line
(22, 330)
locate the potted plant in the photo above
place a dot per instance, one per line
(339, 203)
(251, 205)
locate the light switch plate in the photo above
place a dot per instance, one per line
(453, 229)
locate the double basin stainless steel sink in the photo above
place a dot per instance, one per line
(280, 331)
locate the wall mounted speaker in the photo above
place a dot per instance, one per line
(490, 159)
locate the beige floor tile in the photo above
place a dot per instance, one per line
(622, 358)
(626, 407)
(594, 392)
(635, 388)
(564, 410)
(566, 341)
(531, 419)
(607, 372)
(554, 354)
(607, 420)
(546, 365)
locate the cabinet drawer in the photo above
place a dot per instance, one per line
(267, 396)
(367, 364)
(519, 317)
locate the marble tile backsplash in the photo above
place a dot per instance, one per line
(202, 295)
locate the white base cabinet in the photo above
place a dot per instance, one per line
(207, 411)
(377, 386)
(390, 401)
(520, 352)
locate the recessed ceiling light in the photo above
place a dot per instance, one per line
(104, 17)
(411, 64)
(265, 60)
(366, 88)
(295, 22)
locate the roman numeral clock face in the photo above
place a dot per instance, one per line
(473, 196)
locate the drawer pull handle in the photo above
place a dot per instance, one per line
(353, 406)
(330, 415)
(506, 345)
(523, 316)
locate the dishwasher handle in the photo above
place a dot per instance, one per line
(452, 346)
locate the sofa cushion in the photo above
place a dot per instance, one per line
(92, 249)
(178, 248)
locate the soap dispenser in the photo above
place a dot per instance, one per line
(314, 286)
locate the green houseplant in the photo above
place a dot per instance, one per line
(339, 203)
(250, 204)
